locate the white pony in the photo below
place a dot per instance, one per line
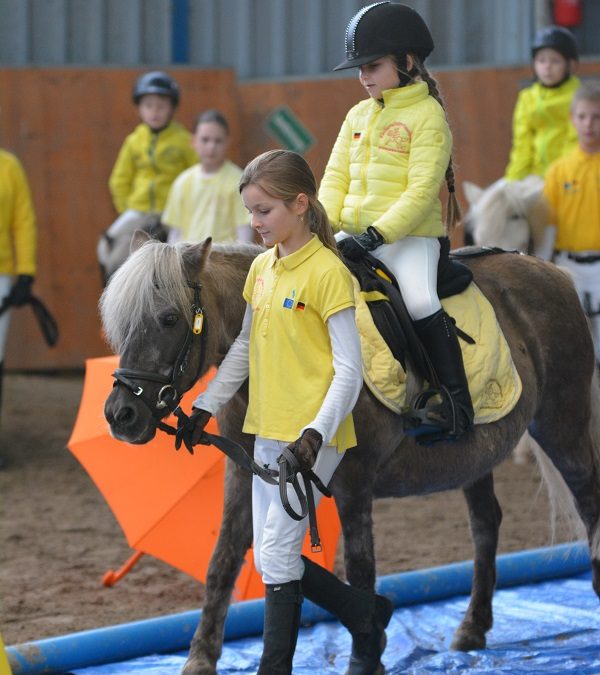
(511, 215)
(113, 249)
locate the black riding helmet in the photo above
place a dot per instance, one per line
(558, 38)
(385, 28)
(156, 82)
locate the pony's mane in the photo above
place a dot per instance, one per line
(152, 276)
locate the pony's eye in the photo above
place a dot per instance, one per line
(169, 319)
(515, 216)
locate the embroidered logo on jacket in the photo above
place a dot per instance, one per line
(395, 138)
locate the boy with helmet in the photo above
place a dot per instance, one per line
(381, 188)
(542, 129)
(153, 155)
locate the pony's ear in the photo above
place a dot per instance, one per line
(472, 192)
(138, 239)
(197, 255)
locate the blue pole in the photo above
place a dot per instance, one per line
(180, 31)
(173, 633)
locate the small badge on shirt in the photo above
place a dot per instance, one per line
(356, 135)
(300, 306)
(288, 302)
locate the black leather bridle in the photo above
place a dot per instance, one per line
(170, 394)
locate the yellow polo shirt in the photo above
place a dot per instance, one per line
(572, 188)
(291, 360)
(206, 206)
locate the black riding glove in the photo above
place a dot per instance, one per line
(354, 248)
(190, 431)
(20, 293)
(306, 449)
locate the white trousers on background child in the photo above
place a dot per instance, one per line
(6, 282)
(278, 538)
(586, 277)
(414, 263)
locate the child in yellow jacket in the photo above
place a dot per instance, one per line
(381, 185)
(542, 129)
(18, 243)
(153, 155)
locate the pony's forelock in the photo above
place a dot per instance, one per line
(152, 277)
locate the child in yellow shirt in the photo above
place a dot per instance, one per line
(572, 190)
(204, 201)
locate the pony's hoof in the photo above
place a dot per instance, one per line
(194, 668)
(467, 642)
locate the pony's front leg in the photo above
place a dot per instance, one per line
(234, 540)
(485, 517)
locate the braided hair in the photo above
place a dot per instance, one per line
(419, 71)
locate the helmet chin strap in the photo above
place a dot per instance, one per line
(557, 84)
(405, 76)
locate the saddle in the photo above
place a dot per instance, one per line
(389, 312)
(382, 300)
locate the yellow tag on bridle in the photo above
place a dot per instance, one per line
(198, 323)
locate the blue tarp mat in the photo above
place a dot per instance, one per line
(551, 628)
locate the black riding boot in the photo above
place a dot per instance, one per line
(438, 335)
(364, 614)
(283, 603)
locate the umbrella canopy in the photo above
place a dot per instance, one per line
(169, 504)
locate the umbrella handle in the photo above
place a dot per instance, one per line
(110, 577)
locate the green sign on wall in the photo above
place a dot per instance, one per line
(288, 130)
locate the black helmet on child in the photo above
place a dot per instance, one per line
(558, 38)
(385, 28)
(156, 82)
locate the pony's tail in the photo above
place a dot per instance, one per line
(563, 511)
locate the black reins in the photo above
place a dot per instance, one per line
(169, 397)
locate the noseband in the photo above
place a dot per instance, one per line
(170, 393)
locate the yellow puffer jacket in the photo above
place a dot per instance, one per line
(387, 166)
(18, 234)
(147, 164)
(542, 129)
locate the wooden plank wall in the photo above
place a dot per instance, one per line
(66, 126)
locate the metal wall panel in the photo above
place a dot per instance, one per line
(260, 38)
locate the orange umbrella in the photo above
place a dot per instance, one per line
(168, 503)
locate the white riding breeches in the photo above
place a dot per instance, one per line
(586, 277)
(414, 263)
(6, 282)
(278, 538)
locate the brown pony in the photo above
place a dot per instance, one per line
(147, 316)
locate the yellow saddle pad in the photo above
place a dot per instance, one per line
(494, 382)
